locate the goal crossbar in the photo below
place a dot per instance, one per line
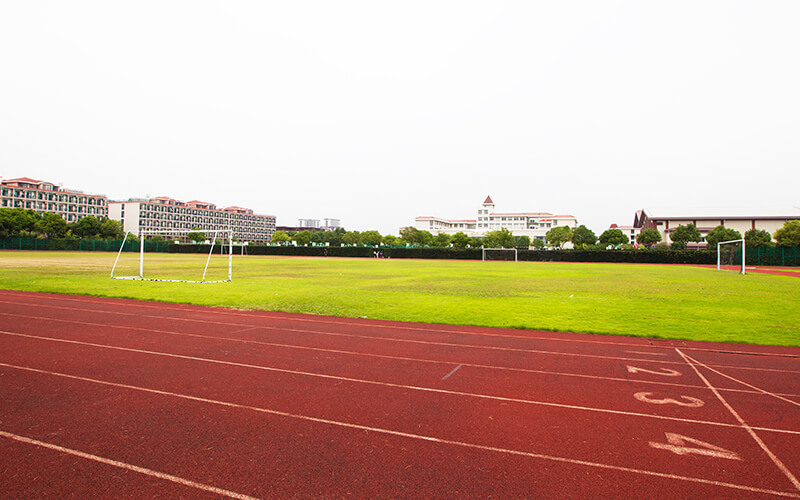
(178, 232)
(719, 254)
(484, 249)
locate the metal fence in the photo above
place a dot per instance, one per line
(27, 243)
(773, 256)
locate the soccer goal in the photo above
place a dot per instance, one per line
(507, 254)
(222, 238)
(731, 255)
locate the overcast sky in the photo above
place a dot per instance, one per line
(375, 112)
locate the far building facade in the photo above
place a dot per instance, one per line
(742, 220)
(630, 231)
(165, 214)
(46, 197)
(535, 225)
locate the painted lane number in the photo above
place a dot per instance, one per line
(666, 372)
(689, 402)
(679, 445)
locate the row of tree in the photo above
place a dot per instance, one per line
(787, 236)
(27, 222)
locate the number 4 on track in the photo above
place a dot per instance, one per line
(677, 444)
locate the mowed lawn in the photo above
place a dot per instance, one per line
(680, 302)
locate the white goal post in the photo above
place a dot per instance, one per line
(719, 253)
(491, 250)
(228, 242)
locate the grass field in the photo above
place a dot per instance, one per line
(680, 302)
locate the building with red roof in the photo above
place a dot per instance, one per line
(46, 197)
(532, 224)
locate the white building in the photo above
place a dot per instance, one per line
(667, 220)
(532, 224)
(630, 231)
(44, 197)
(165, 214)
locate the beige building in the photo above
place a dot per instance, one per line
(164, 214)
(44, 197)
(742, 220)
(532, 224)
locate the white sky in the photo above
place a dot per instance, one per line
(375, 112)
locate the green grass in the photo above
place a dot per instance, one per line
(679, 302)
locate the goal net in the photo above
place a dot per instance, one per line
(508, 254)
(152, 263)
(731, 256)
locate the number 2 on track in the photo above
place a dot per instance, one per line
(689, 402)
(665, 372)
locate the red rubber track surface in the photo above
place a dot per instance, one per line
(118, 398)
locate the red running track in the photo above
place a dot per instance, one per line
(121, 398)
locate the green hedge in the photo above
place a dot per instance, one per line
(77, 244)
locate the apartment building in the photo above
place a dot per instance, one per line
(43, 197)
(164, 214)
(532, 224)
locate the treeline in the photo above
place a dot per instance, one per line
(20, 222)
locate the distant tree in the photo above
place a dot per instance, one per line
(501, 238)
(460, 240)
(414, 236)
(583, 237)
(721, 233)
(52, 225)
(789, 234)
(442, 240)
(613, 237)
(372, 238)
(757, 238)
(683, 234)
(334, 238)
(524, 242)
(280, 237)
(18, 221)
(157, 238)
(351, 238)
(303, 238)
(537, 243)
(558, 236)
(196, 235)
(476, 242)
(661, 246)
(390, 240)
(86, 227)
(111, 229)
(648, 237)
(318, 237)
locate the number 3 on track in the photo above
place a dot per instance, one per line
(677, 444)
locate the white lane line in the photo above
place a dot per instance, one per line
(749, 429)
(382, 356)
(127, 466)
(297, 317)
(419, 437)
(388, 384)
(452, 372)
(647, 353)
(755, 389)
(370, 338)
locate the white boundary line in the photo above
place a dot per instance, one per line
(126, 466)
(381, 356)
(749, 429)
(419, 437)
(389, 384)
(373, 338)
(396, 325)
(756, 390)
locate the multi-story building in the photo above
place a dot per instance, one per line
(43, 197)
(742, 220)
(630, 231)
(164, 214)
(532, 224)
